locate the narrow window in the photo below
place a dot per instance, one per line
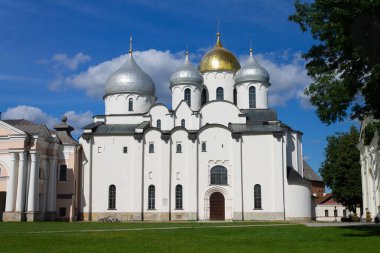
(63, 173)
(257, 196)
(326, 213)
(178, 197)
(151, 197)
(179, 148)
(99, 149)
(344, 213)
(219, 93)
(112, 197)
(130, 105)
(183, 123)
(158, 124)
(62, 211)
(335, 213)
(219, 175)
(204, 96)
(187, 96)
(204, 147)
(252, 97)
(151, 148)
(235, 97)
(125, 150)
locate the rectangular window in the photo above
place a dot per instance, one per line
(125, 150)
(204, 146)
(344, 213)
(326, 213)
(62, 211)
(99, 149)
(335, 213)
(63, 173)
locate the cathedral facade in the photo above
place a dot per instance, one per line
(219, 152)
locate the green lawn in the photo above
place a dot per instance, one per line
(186, 237)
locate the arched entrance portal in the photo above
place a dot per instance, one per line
(217, 206)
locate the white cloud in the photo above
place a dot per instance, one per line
(159, 65)
(71, 63)
(36, 115)
(78, 120)
(289, 79)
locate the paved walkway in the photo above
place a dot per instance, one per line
(338, 224)
(159, 228)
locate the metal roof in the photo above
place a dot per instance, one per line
(309, 174)
(29, 127)
(254, 115)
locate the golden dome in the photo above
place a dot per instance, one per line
(218, 58)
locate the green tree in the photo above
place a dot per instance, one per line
(341, 168)
(344, 64)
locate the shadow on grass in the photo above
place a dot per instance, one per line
(362, 231)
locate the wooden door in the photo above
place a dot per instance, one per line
(217, 206)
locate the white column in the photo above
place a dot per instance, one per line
(52, 185)
(12, 184)
(21, 184)
(33, 184)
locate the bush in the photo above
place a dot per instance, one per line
(377, 219)
(345, 219)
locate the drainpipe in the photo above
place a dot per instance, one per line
(197, 183)
(170, 179)
(283, 176)
(91, 155)
(142, 178)
(241, 174)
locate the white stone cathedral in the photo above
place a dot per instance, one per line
(219, 152)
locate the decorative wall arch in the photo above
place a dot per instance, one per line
(227, 198)
(4, 169)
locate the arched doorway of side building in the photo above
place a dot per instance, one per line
(217, 206)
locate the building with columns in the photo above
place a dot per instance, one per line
(218, 152)
(370, 171)
(38, 171)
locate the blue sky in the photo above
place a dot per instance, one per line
(54, 56)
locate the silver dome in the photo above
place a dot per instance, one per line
(130, 78)
(186, 74)
(251, 72)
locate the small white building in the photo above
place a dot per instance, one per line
(370, 170)
(218, 153)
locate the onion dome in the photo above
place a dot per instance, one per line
(186, 74)
(252, 71)
(218, 58)
(130, 78)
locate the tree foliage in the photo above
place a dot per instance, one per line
(345, 64)
(341, 168)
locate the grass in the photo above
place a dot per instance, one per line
(187, 237)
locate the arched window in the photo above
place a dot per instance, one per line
(204, 147)
(178, 197)
(235, 97)
(179, 148)
(219, 175)
(204, 96)
(158, 124)
(188, 96)
(252, 97)
(151, 197)
(130, 105)
(257, 196)
(183, 123)
(151, 148)
(112, 197)
(219, 93)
